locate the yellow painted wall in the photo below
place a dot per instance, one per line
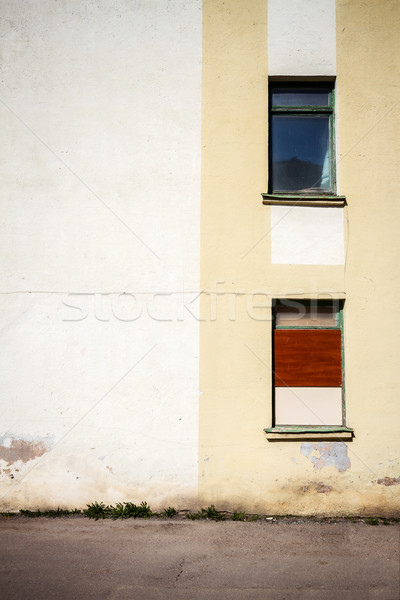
(368, 63)
(238, 467)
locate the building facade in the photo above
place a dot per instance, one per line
(200, 240)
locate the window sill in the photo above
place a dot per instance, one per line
(309, 433)
(304, 200)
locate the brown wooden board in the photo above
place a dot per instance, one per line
(308, 358)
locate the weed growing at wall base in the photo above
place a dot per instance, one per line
(123, 510)
(207, 513)
(128, 510)
(239, 516)
(97, 511)
(58, 512)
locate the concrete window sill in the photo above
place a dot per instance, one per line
(309, 433)
(303, 200)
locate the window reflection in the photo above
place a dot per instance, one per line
(300, 155)
(305, 97)
(300, 314)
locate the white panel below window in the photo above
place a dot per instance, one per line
(301, 37)
(308, 406)
(307, 236)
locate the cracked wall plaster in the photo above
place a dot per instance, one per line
(326, 454)
(13, 449)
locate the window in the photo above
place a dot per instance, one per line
(301, 138)
(308, 364)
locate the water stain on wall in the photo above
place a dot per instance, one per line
(326, 454)
(316, 486)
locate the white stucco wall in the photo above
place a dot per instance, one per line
(301, 37)
(100, 169)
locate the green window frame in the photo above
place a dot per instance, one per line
(314, 308)
(306, 143)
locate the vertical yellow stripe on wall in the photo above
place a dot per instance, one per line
(368, 131)
(238, 468)
(234, 173)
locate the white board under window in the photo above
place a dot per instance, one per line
(308, 406)
(307, 235)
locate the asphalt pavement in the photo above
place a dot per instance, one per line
(161, 559)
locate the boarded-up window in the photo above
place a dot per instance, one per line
(308, 363)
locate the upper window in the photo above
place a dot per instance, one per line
(302, 138)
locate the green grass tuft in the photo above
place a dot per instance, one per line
(170, 512)
(207, 513)
(31, 513)
(211, 513)
(97, 511)
(239, 516)
(129, 510)
(58, 512)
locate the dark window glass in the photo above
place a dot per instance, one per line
(295, 313)
(300, 97)
(300, 152)
(301, 134)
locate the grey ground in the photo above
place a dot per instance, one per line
(170, 560)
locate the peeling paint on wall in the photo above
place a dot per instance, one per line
(15, 448)
(389, 481)
(326, 454)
